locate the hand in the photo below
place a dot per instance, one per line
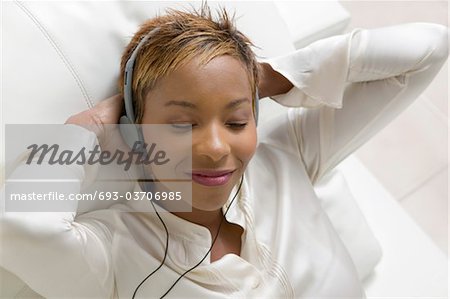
(102, 120)
(271, 82)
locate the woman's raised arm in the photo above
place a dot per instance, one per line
(356, 84)
(59, 254)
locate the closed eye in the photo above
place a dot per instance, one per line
(237, 125)
(186, 126)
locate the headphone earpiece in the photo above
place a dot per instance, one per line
(129, 131)
(256, 112)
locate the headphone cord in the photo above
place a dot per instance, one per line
(165, 251)
(212, 244)
(167, 245)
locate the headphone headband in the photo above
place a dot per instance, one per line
(128, 81)
(128, 77)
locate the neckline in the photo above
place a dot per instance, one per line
(190, 231)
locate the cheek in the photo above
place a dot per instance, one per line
(245, 146)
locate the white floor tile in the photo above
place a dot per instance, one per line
(437, 92)
(366, 14)
(429, 207)
(408, 151)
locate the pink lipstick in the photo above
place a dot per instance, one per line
(211, 177)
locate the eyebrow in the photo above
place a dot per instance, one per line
(190, 105)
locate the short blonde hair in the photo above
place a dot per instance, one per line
(182, 36)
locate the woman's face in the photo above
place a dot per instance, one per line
(216, 99)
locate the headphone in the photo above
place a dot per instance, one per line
(131, 133)
(129, 117)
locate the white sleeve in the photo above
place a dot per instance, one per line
(56, 254)
(356, 84)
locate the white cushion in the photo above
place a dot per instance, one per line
(62, 57)
(349, 222)
(412, 265)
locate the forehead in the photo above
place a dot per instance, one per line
(219, 73)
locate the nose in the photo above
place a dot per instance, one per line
(211, 141)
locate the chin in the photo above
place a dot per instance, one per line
(212, 198)
(208, 201)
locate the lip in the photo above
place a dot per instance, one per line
(209, 177)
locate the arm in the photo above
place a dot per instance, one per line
(50, 251)
(357, 83)
(57, 253)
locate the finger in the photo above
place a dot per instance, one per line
(110, 109)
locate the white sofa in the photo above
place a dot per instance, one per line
(61, 58)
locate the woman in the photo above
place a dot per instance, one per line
(273, 240)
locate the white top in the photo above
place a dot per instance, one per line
(289, 247)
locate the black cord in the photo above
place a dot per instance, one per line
(212, 244)
(167, 245)
(165, 251)
(146, 189)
